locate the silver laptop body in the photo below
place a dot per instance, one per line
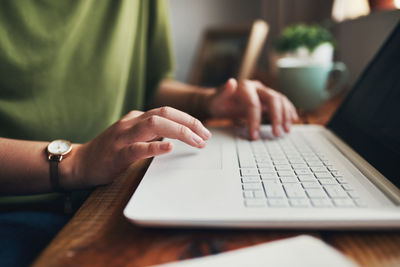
(344, 176)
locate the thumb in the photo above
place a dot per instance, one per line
(142, 150)
(229, 88)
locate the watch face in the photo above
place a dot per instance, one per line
(59, 147)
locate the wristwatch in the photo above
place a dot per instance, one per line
(57, 150)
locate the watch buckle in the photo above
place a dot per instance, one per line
(55, 157)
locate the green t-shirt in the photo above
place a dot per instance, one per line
(69, 69)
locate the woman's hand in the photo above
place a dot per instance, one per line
(134, 137)
(249, 99)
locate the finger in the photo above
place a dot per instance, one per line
(272, 99)
(143, 150)
(131, 115)
(156, 126)
(295, 116)
(254, 111)
(229, 88)
(286, 114)
(181, 118)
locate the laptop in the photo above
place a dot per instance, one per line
(342, 176)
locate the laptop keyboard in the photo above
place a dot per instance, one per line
(290, 172)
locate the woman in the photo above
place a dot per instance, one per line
(71, 70)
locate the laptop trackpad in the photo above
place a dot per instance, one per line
(185, 157)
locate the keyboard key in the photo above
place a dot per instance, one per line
(286, 173)
(335, 191)
(331, 168)
(263, 159)
(289, 180)
(283, 167)
(274, 190)
(297, 161)
(252, 186)
(328, 181)
(261, 154)
(249, 171)
(279, 162)
(250, 179)
(307, 178)
(271, 182)
(336, 174)
(341, 180)
(299, 166)
(277, 203)
(315, 163)
(299, 203)
(265, 164)
(246, 159)
(247, 162)
(347, 187)
(248, 194)
(303, 172)
(318, 169)
(323, 175)
(321, 203)
(316, 193)
(255, 203)
(267, 170)
(293, 156)
(343, 203)
(259, 194)
(307, 185)
(295, 191)
(269, 176)
(311, 158)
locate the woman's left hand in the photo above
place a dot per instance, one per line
(249, 99)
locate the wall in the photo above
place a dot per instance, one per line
(359, 40)
(189, 18)
(280, 13)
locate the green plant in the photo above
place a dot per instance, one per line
(299, 35)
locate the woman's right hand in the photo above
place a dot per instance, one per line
(132, 138)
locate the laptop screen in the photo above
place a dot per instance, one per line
(369, 118)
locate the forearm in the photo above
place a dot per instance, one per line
(191, 99)
(24, 168)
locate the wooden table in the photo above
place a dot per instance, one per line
(99, 235)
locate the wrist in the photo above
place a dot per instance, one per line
(68, 170)
(204, 100)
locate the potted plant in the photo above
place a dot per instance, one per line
(311, 44)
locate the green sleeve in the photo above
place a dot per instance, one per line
(160, 62)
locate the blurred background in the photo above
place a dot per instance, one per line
(359, 27)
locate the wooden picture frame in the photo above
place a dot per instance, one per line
(228, 52)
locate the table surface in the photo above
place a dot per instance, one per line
(99, 235)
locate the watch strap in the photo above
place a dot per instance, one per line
(54, 176)
(55, 184)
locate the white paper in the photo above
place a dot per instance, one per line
(299, 251)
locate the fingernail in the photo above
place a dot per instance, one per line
(198, 140)
(165, 146)
(206, 133)
(256, 134)
(277, 132)
(287, 126)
